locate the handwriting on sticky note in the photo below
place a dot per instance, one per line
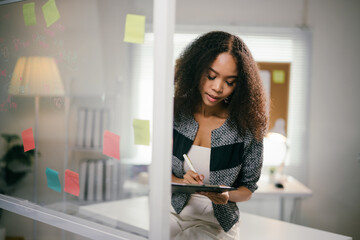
(134, 28)
(53, 180)
(29, 14)
(51, 13)
(278, 76)
(72, 182)
(141, 132)
(28, 139)
(111, 144)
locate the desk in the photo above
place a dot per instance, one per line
(122, 214)
(293, 189)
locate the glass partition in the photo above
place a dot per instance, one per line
(76, 111)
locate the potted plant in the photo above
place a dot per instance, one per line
(14, 164)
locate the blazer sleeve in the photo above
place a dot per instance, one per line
(252, 164)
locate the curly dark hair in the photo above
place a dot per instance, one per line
(247, 106)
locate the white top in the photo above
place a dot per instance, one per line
(200, 159)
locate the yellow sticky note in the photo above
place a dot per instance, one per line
(278, 76)
(134, 28)
(141, 131)
(51, 13)
(29, 14)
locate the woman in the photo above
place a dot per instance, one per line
(220, 119)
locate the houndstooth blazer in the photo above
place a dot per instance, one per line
(235, 160)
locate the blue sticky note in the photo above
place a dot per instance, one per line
(53, 180)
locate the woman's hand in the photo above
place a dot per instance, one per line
(192, 177)
(217, 198)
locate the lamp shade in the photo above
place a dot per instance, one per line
(275, 149)
(36, 76)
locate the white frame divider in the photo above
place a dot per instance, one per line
(160, 170)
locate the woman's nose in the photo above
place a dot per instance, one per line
(217, 85)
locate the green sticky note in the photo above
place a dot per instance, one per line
(278, 76)
(53, 180)
(51, 13)
(134, 28)
(141, 131)
(29, 14)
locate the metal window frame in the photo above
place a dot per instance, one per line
(64, 221)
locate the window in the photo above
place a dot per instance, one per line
(81, 119)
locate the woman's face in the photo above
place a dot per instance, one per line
(219, 80)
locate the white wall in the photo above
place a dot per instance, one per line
(334, 142)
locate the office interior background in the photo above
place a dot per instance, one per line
(90, 32)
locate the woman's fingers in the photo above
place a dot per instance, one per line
(217, 198)
(192, 177)
(199, 178)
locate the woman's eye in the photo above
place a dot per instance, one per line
(230, 84)
(211, 78)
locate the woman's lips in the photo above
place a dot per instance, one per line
(212, 98)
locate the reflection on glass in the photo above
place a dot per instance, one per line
(69, 73)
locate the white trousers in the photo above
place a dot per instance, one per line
(197, 221)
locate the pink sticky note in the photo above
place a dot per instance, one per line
(111, 145)
(28, 139)
(72, 182)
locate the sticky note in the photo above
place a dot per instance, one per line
(28, 139)
(51, 13)
(53, 180)
(278, 76)
(141, 132)
(3, 73)
(134, 28)
(72, 182)
(29, 14)
(111, 145)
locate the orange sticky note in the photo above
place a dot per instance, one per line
(111, 145)
(28, 139)
(72, 182)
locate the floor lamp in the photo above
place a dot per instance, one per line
(36, 76)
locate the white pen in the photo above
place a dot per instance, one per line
(189, 163)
